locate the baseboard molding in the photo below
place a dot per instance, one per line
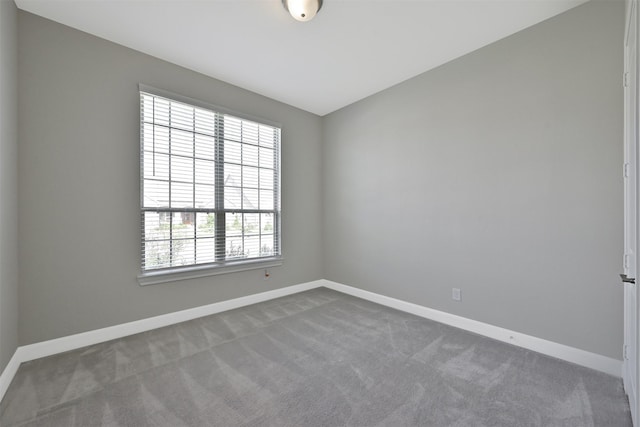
(9, 372)
(72, 342)
(549, 348)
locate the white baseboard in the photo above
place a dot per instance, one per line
(9, 372)
(549, 348)
(72, 342)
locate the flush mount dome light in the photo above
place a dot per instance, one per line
(302, 10)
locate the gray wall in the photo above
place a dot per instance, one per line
(78, 184)
(8, 181)
(498, 173)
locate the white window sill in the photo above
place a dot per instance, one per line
(185, 273)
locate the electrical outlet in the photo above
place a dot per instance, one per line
(456, 295)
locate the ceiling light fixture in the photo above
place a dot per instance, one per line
(302, 10)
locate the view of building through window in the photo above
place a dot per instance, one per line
(210, 189)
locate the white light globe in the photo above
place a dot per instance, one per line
(303, 10)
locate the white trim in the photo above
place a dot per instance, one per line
(72, 342)
(560, 351)
(9, 372)
(184, 273)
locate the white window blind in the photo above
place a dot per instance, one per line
(209, 186)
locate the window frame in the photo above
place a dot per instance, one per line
(224, 266)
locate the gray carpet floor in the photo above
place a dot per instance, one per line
(318, 358)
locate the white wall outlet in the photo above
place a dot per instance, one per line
(456, 295)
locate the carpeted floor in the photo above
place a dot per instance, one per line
(318, 358)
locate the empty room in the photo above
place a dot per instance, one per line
(319, 213)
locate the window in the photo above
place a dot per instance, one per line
(210, 189)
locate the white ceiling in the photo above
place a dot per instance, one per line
(352, 49)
